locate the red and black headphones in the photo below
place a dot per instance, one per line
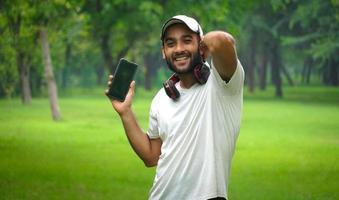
(201, 73)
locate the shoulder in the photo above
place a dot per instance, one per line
(234, 85)
(158, 98)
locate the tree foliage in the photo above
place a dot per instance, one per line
(88, 37)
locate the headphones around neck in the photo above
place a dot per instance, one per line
(201, 73)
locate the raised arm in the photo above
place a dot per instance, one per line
(221, 46)
(147, 149)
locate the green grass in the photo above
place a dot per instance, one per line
(287, 149)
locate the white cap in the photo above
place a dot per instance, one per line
(190, 22)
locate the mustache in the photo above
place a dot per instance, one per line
(181, 54)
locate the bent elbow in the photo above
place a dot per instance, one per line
(149, 165)
(226, 38)
(150, 162)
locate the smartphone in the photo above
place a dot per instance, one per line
(122, 79)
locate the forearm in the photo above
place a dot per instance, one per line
(139, 141)
(221, 46)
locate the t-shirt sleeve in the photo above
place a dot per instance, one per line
(235, 84)
(153, 131)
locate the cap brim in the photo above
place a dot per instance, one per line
(168, 24)
(191, 23)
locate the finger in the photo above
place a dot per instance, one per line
(110, 77)
(132, 88)
(202, 44)
(132, 85)
(109, 83)
(106, 92)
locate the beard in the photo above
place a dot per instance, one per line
(195, 61)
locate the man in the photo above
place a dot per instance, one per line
(193, 124)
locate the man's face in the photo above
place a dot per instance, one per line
(181, 49)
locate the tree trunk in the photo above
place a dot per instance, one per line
(287, 75)
(152, 63)
(148, 79)
(334, 72)
(308, 73)
(99, 71)
(263, 72)
(303, 72)
(276, 68)
(65, 70)
(307, 70)
(148, 72)
(325, 73)
(252, 63)
(106, 52)
(122, 53)
(49, 75)
(24, 69)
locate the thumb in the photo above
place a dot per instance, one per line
(132, 85)
(132, 88)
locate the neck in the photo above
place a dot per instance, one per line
(187, 80)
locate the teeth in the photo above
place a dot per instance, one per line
(181, 58)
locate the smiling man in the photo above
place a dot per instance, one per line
(195, 119)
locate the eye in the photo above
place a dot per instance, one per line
(187, 40)
(170, 43)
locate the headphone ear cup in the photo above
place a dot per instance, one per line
(197, 74)
(170, 89)
(201, 73)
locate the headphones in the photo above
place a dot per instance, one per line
(201, 73)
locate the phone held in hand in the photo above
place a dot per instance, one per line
(122, 79)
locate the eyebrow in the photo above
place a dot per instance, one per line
(188, 35)
(184, 36)
(168, 39)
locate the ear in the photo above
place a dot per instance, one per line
(203, 50)
(163, 53)
(202, 54)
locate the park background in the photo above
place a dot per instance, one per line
(61, 139)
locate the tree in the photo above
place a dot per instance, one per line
(49, 75)
(315, 26)
(44, 13)
(103, 16)
(8, 72)
(16, 17)
(265, 25)
(147, 43)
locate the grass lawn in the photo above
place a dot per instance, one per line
(287, 149)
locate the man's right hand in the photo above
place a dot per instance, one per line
(147, 149)
(122, 107)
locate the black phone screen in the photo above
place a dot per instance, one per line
(122, 79)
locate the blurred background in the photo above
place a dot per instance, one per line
(56, 55)
(281, 42)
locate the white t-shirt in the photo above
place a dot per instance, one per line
(198, 133)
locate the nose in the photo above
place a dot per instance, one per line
(179, 47)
